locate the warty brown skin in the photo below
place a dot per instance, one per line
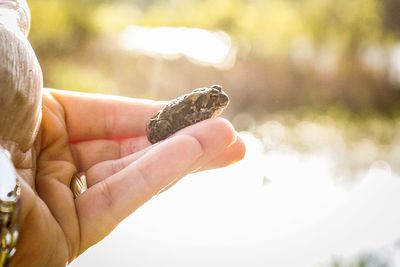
(201, 104)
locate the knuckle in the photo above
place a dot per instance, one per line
(109, 118)
(108, 200)
(147, 188)
(117, 165)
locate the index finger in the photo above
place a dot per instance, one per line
(103, 206)
(97, 116)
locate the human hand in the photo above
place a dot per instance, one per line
(105, 137)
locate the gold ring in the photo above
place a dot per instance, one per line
(78, 184)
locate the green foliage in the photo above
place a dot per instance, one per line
(60, 25)
(79, 77)
(270, 25)
(368, 260)
(345, 24)
(75, 41)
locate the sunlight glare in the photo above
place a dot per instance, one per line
(202, 46)
(374, 57)
(394, 71)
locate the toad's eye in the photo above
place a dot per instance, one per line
(217, 87)
(213, 96)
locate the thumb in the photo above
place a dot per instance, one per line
(104, 205)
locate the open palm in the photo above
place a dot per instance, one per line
(105, 137)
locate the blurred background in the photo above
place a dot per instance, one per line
(315, 93)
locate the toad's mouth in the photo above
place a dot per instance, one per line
(223, 100)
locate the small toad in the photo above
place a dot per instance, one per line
(203, 103)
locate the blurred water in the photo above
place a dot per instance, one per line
(288, 203)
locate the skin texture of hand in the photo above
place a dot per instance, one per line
(105, 137)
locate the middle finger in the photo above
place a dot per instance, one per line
(215, 134)
(88, 153)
